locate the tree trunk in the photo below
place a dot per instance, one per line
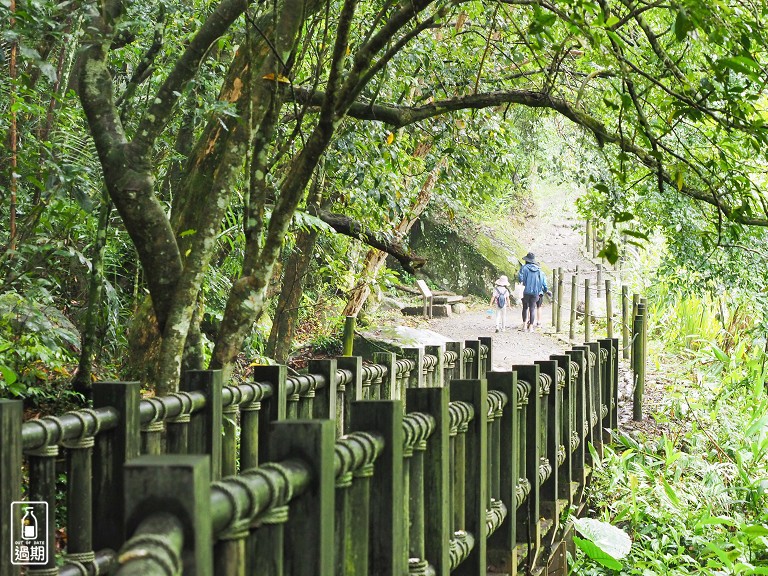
(82, 381)
(288, 306)
(375, 259)
(13, 136)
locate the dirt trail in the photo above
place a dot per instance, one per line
(552, 235)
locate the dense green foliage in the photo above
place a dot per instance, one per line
(263, 119)
(691, 488)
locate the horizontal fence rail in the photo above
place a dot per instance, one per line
(425, 462)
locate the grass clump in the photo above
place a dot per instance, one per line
(691, 486)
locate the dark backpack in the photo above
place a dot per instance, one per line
(501, 298)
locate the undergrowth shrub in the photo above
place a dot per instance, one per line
(695, 498)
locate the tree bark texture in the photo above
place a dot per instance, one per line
(288, 307)
(82, 380)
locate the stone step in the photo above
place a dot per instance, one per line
(438, 310)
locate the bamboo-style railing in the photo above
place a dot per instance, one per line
(424, 462)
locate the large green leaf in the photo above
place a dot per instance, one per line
(597, 554)
(612, 540)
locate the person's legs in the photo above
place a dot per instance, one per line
(527, 310)
(498, 316)
(503, 312)
(529, 303)
(539, 302)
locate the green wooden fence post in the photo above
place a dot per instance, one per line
(389, 381)
(177, 436)
(549, 507)
(587, 312)
(608, 309)
(578, 397)
(249, 430)
(457, 372)
(436, 376)
(565, 470)
(574, 300)
(42, 488)
(436, 477)
(179, 484)
(11, 416)
(599, 282)
(205, 426)
(558, 309)
(610, 384)
(528, 526)
(589, 400)
(416, 376)
(625, 321)
(502, 545)
(555, 301)
(475, 392)
(596, 396)
(309, 529)
(633, 335)
(387, 552)
(324, 405)
(472, 371)
(348, 393)
(80, 490)
(487, 365)
(273, 408)
(113, 448)
(228, 433)
(638, 363)
(349, 335)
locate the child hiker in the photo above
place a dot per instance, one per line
(500, 302)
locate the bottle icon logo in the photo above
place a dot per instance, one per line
(30, 545)
(29, 525)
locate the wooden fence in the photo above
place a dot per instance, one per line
(422, 463)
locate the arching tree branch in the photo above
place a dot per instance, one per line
(354, 229)
(399, 116)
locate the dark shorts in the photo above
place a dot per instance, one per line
(529, 304)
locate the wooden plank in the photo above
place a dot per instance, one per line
(578, 396)
(528, 524)
(434, 401)
(181, 485)
(309, 529)
(11, 414)
(387, 552)
(273, 408)
(475, 392)
(205, 425)
(565, 472)
(112, 450)
(502, 545)
(549, 490)
(424, 289)
(427, 294)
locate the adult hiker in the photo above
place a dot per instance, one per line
(534, 283)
